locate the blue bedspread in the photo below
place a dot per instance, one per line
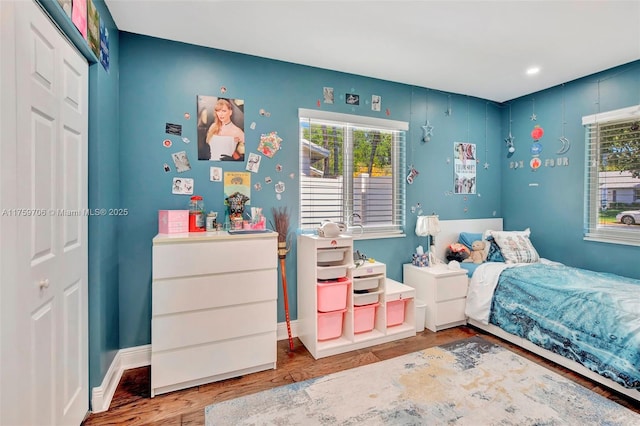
(589, 317)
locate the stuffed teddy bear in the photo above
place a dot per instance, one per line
(478, 255)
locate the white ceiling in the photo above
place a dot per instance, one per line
(478, 48)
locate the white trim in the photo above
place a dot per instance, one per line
(125, 359)
(140, 356)
(353, 119)
(282, 333)
(617, 114)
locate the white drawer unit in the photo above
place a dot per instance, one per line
(214, 308)
(329, 333)
(443, 290)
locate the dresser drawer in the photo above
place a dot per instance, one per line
(450, 311)
(198, 327)
(201, 258)
(448, 288)
(210, 291)
(198, 362)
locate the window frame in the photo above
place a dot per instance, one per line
(592, 199)
(349, 121)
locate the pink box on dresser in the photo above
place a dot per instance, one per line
(173, 221)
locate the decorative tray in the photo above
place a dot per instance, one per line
(249, 231)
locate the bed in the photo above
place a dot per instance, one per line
(586, 321)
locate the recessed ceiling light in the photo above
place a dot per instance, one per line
(533, 70)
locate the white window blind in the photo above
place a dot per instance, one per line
(351, 171)
(612, 176)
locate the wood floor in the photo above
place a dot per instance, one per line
(131, 404)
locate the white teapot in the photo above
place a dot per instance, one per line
(330, 229)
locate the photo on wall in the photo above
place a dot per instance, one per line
(464, 168)
(220, 128)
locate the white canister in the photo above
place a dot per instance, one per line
(211, 221)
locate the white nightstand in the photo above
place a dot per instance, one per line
(443, 290)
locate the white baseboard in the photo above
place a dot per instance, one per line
(140, 356)
(125, 359)
(282, 330)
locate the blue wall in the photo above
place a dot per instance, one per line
(159, 83)
(554, 209)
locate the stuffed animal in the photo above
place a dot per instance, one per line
(478, 255)
(456, 251)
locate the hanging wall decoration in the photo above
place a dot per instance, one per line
(376, 102)
(181, 161)
(220, 128)
(237, 193)
(352, 99)
(427, 129)
(253, 163)
(215, 174)
(173, 129)
(182, 186)
(464, 166)
(566, 144)
(417, 209)
(327, 94)
(486, 144)
(269, 144)
(412, 174)
(537, 133)
(511, 148)
(533, 110)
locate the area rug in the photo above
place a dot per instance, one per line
(470, 382)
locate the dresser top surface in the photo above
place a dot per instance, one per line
(193, 237)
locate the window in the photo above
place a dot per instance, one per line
(351, 171)
(612, 205)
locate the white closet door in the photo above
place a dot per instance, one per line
(44, 228)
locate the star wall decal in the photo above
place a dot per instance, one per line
(427, 132)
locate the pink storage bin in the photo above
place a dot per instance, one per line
(332, 295)
(395, 312)
(330, 324)
(364, 318)
(173, 221)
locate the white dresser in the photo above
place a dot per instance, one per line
(443, 290)
(214, 307)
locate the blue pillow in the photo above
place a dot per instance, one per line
(494, 255)
(470, 267)
(467, 238)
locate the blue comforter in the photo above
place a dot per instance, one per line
(589, 317)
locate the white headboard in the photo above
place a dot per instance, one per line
(450, 229)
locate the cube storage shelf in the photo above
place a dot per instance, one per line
(363, 321)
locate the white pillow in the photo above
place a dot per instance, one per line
(516, 246)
